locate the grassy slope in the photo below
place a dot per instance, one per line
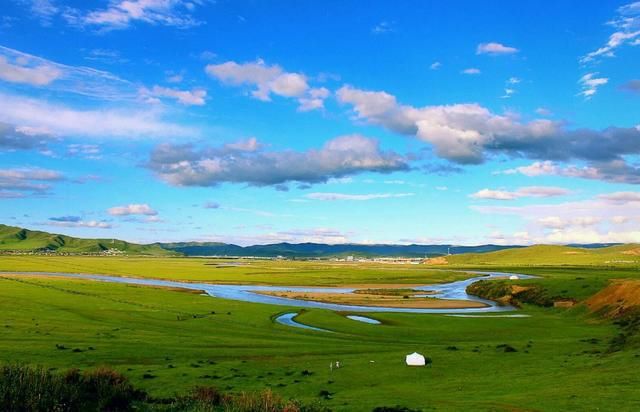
(138, 331)
(550, 255)
(18, 239)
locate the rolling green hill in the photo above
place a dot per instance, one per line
(24, 240)
(552, 255)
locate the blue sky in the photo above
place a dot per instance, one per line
(256, 122)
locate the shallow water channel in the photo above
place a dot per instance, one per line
(250, 293)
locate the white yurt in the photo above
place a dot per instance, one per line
(415, 359)
(514, 277)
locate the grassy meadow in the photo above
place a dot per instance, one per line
(168, 341)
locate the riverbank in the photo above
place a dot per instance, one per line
(376, 300)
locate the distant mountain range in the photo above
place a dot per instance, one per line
(318, 250)
(17, 239)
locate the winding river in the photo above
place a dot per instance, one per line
(250, 293)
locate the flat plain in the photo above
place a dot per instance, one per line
(168, 341)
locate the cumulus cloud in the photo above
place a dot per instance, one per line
(194, 97)
(185, 165)
(358, 197)
(589, 83)
(626, 26)
(435, 65)
(23, 182)
(468, 133)
(523, 192)
(121, 14)
(495, 49)
(270, 80)
(132, 209)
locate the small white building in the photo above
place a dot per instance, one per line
(513, 277)
(415, 359)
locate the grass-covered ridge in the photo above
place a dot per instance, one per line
(547, 255)
(25, 240)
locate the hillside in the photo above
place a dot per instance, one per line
(552, 255)
(24, 240)
(323, 250)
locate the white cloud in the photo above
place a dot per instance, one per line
(471, 70)
(23, 182)
(94, 224)
(551, 168)
(121, 14)
(615, 171)
(39, 75)
(590, 84)
(86, 151)
(508, 92)
(627, 31)
(61, 120)
(383, 27)
(295, 235)
(20, 67)
(495, 49)
(269, 80)
(585, 221)
(435, 65)
(469, 133)
(43, 10)
(358, 197)
(132, 209)
(246, 162)
(620, 220)
(195, 97)
(175, 78)
(523, 192)
(543, 111)
(621, 197)
(556, 222)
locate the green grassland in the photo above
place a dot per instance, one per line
(175, 337)
(168, 341)
(18, 239)
(628, 254)
(308, 273)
